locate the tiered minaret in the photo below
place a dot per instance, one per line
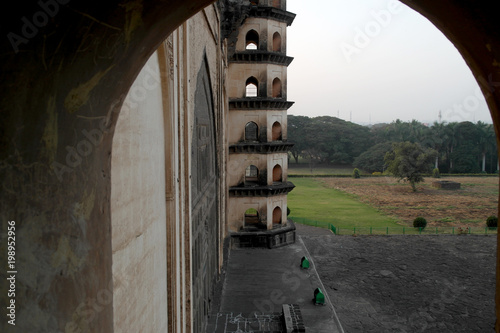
(258, 147)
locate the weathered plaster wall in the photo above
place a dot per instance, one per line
(265, 163)
(264, 120)
(264, 73)
(138, 215)
(264, 205)
(159, 209)
(266, 29)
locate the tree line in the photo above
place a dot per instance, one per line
(462, 147)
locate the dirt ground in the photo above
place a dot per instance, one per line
(470, 206)
(407, 284)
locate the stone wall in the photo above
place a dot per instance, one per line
(138, 207)
(167, 197)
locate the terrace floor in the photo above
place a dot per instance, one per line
(440, 283)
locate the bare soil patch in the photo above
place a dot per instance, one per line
(469, 206)
(411, 284)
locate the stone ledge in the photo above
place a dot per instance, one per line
(261, 57)
(261, 191)
(260, 148)
(270, 239)
(259, 103)
(292, 318)
(272, 13)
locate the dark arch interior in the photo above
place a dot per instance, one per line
(252, 40)
(251, 131)
(252, 87)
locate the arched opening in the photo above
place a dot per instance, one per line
(251, 131)
(252, 40)
(277, 174)
(468, 29)
(254, 2)
(251, 174)
(276, 42)
(277, 216)
(252, 87)
(277, 88)
(276, 3)
(251, 217)
(277, 133)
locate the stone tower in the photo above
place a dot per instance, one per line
(257, 127)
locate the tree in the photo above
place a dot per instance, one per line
(467, 153)
(438, 137)
(373, 159)
(409, 161)
(297, 130)
(487, 142)
(327, 139)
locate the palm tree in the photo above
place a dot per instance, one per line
(438, 137)
(487, 141)
(451, 141)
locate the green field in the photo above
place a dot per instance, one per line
(312, 201)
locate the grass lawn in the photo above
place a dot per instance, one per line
(313, 201)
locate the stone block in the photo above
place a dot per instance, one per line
(446, 185)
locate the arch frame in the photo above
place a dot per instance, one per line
(35, 131)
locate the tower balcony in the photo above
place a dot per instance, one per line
(260, 147)
(260, 190)
(275, 58)
(259, 103)
(272, 13)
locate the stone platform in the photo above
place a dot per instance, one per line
(278, 237)
(259, 281)
(446, 185)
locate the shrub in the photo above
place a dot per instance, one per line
(419, 222)
(435, 173)
(287, 211)
(492, 222)
(377, 173)
(355, 173)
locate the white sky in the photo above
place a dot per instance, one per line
(406, 69)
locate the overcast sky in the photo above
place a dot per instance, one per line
(378, 59)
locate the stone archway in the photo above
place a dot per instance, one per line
(63, 84)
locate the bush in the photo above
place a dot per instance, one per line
(355, 173)
(419, 222)
(492, 222)
(287, 211)
(435, 173)
(377, 173)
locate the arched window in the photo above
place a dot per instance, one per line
(252, 87)
(277, 215)
(276, 3)
(251, 131)
(252, 40)
(277, 174)
(251, 216)
(277, 88)
(277, 131)
(252, 174)
(276, 42)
